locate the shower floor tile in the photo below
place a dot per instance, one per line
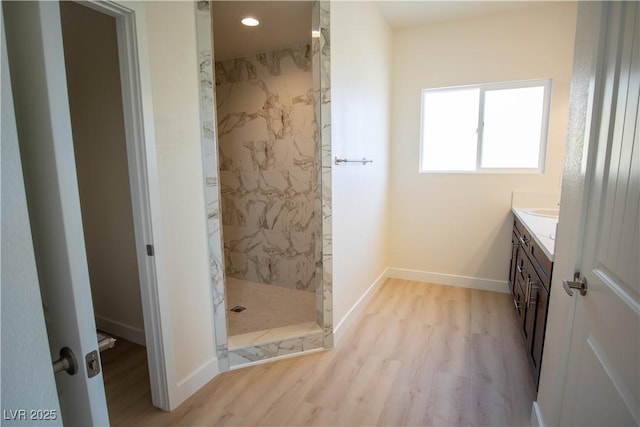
(267, 306)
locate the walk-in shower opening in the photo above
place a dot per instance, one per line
(269, 169)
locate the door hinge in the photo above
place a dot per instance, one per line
(150, 250)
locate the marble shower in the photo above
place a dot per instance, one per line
(237, 350)
(268, 170)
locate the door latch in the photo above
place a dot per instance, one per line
(93, 364)
(579, 283)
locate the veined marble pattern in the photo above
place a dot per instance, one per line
(250, 354)
(322, 66)
(322, 250)
(273, 335)
(211, 180)
(268, 172)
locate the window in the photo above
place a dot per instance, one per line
(485, 128)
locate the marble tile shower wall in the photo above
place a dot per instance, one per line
(269, 179)
(211, 188)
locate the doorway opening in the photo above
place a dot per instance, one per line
(113, 201)
(268, 168)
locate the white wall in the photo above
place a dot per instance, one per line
(459, 224)
(360, 79)
(97, 120)
(174, 83)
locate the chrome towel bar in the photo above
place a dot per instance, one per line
(364, 161)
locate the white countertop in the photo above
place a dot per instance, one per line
(541, 228)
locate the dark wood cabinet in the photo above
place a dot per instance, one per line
(520, 288)
(529, 280)
(515, 248)
(539, 304)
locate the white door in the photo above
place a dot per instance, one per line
(34, 40)
(603, 377)
(28, 387)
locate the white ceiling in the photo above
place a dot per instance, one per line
(283, 24)
(286, 24)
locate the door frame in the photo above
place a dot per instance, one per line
(145, 194)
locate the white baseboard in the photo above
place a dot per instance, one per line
(129, 333)
(195, 381)
(353, 312)
(536, 416)
(449, 279)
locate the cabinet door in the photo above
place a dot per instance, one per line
(538, 304)
(528, 321)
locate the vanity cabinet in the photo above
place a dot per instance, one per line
(536, 325)
(530, 280)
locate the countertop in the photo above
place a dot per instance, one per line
(541, 228)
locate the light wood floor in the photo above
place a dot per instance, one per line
(418, 355)
(126, 381)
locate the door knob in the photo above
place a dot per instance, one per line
(577, 283)
(67, 362)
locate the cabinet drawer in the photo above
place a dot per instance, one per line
(542, 265)
(522, 234)
(519, 298)
(521, 266)
(515, 248)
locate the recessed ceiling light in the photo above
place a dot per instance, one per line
(250, 21)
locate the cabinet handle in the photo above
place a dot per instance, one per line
(521, 270)
(523, 240)
(516, 304)
(531, 299)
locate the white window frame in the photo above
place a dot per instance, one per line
(542, 157)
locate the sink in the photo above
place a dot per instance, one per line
(546, 212)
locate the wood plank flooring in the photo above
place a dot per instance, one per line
(126, 381)
(419, 355)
